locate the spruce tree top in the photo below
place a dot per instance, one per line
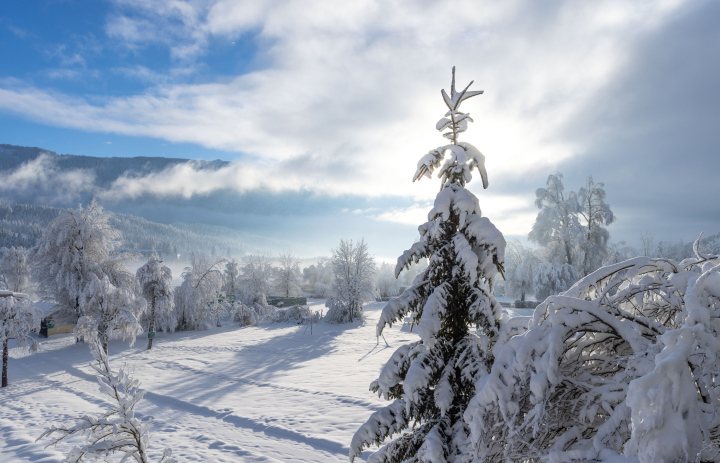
(432, 380)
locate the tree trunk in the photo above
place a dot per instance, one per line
(104, 336)
(151, 329)
(5, 364)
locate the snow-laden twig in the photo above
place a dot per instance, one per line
(117, 430)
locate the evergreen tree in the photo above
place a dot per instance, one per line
(155, 280)
(432, 380)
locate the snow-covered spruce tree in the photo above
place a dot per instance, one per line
(624, 362)
(76, 246)
(14, 269)
(17, 319)
(117, 430)
(288, 276)
(432, 380)
(155, 281)
(353, 282)
(109, 311)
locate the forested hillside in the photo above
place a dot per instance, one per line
(106, 170)
(23, 224)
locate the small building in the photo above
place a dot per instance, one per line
(49, 325)
(278, 301)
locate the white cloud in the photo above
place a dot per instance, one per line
(413, 215)
(41, 175)
(348, 96)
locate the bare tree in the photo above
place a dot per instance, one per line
(557, 226)
(14, 269)
(354, 270)
(257, 273)
(597, 215)
(288, 276)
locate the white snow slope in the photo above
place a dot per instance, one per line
(272, 393)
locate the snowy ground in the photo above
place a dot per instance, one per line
(273, 393)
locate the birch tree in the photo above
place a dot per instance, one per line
(597, 215)
(73, 251)
(109, 311)
(557, 226)
(353, 282)
(155, 281)
(14, 269)
(18, 317)
(288, 276)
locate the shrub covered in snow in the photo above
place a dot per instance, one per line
(244, 315)
(432, 380)
(624, 362)
(296, 314)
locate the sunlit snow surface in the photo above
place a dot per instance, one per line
(254, 394)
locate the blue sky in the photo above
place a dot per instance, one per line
(342, 101)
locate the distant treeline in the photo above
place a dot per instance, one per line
(23, 224)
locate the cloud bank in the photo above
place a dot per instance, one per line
(355, 89)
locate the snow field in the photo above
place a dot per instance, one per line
(270, 393)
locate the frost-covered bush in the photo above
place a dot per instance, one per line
(431, 381)
(296, 314)
(244, 315)
(117, 430)
(624, 362)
